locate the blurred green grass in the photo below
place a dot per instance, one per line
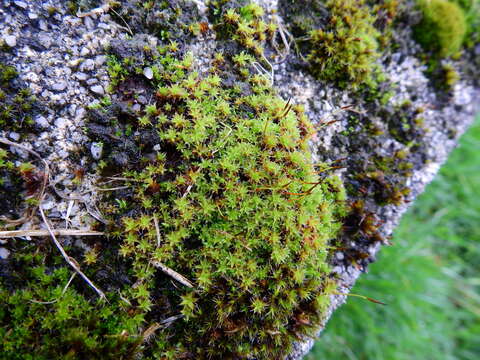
(430, 277)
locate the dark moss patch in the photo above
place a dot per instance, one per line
(167, 20)
(17, 104)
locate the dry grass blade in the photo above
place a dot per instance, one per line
(63, 292)
(171, 319)
(157, 230)
(69, 260)
(57, 232)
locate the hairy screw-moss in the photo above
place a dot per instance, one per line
(240, 212)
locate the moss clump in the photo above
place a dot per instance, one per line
(472, 15)
(239, 208)
(16, 103)
(245, 25)
(41, 317)
(442, 28)
(345, 50)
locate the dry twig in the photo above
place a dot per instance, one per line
(170, 272)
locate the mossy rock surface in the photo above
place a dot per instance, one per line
(244, 162)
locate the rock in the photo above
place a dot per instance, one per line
(87, 65)
(48, 205)
(98, 89)
(92, 81)
(41, 122)
(4, 253)
(43, 25)
(60, 86)
(100, 60)
(10, 40)
(61, 123)
(21, 4)
(14, 136)
(148, 73)
(74, 48)
(96, 149)
(81, 76)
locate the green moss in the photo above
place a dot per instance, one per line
(245, 25)
(451, 75)
(341, 39)
(442, 28)
(472, 15)
(16, 102)
(345, 50)
(41, 317)
(240, 211)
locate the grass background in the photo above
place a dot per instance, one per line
(430, 277)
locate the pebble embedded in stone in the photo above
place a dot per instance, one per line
(98, 89)
(100, 60)
(32, 15)
(89, 23)
(96, 149)
(41, 121)
(43, 25)
(148, 73)
(10, 40)
(81, 76)
(59, 86)
(4, 253)
(21, 4)
(14, 136)
(87, 65)
(60, 123)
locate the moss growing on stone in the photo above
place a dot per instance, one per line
(340, 38)
(228, 198)
(244, 24)
(345, 50)
(442, 28)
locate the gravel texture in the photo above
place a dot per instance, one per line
(61, 58)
